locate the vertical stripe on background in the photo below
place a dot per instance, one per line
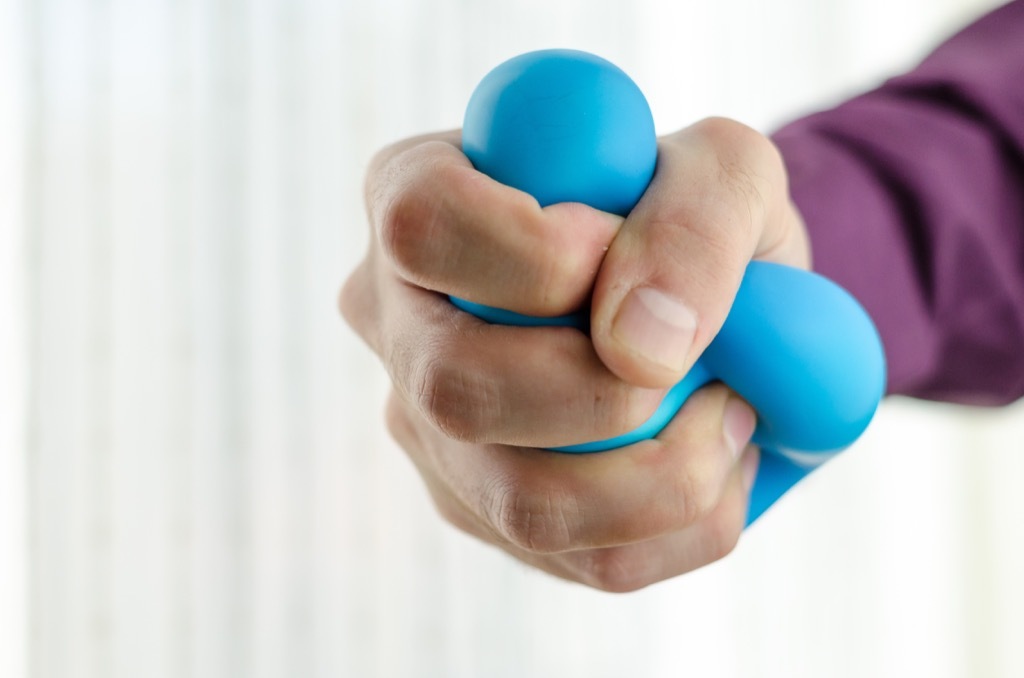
(14, 375)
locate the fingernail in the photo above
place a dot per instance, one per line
(656, 327)
(749, 465)
(738, 422)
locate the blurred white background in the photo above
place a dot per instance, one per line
(194, 477)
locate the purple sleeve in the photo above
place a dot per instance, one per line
(914, 198)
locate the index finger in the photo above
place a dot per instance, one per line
(448, 228)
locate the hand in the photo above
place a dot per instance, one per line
(471, 401)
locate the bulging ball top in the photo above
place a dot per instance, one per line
(564, 126)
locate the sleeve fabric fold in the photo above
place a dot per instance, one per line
(913, 195)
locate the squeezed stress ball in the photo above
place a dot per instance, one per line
(567, 126)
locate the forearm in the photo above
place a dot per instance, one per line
(913, 195)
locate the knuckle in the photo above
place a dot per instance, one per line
(451, 513)
(456, 399)
(750, 164)
(739, 141)
(448, 514)
(356, 303)
(695, 490)
(534, 519)
(617, 569)
(405, 229)
(397, 422)
(406, 197)
(348, 295)
(722, 534)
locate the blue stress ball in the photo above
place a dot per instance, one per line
(563, 126)
(567, 126)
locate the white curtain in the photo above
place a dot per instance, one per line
(195, 480)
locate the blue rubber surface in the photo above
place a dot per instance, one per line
(568, 126)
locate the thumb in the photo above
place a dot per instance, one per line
(719, 198)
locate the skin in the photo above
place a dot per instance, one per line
(472, 403)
